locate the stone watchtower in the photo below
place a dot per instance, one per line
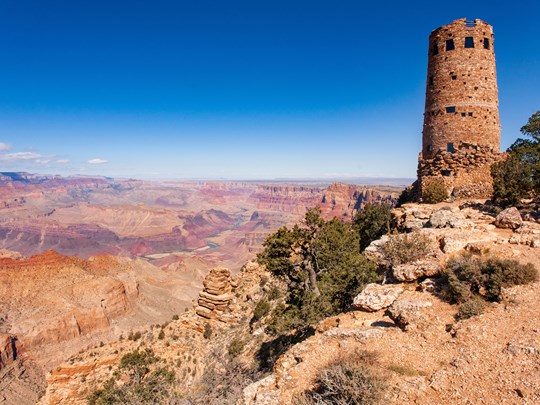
(461, 134)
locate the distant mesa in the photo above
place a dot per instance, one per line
(220, 222)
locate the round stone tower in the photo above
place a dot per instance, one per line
(461, 134)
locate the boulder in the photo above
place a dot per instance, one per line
(10, 254)
(375, 251)
(414, 271)
(205, 312)
(455, 240)
(415, 224)
(446, 218)
(376, 296)
(261, 391)
(509, 218)
(429, 285)
(407, 314)
(410, 217)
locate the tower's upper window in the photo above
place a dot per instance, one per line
(450, 110)
(450, 147)
(486, 43)
(430, 148)
(469, 42)
(434, 48)
(450, 45)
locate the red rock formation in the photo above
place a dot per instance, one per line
(214, 300)
(286, 198)
(53, 300)
(8, 350)
(343, 200)
(211, 220)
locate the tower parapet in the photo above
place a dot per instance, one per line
(461, 133)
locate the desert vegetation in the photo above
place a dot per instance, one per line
(517, 178)
(142, 387)
(434, 192)
(351, 378)
(372, 222)
(323, 269)
(473, 281)
(406, 248)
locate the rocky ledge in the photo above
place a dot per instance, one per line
(423, 352)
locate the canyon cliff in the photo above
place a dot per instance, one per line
(63, 291)
(410, 331)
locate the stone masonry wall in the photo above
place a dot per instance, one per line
(461, 90)
(464, 160)
(467, 172)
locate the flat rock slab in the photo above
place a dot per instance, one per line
(416, 270)
(377, 296)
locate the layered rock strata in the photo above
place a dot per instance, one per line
(214, 300)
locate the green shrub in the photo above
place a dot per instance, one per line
(485, 277)
(261, 310)
(142, 386)
(406, 248)
(134, 336)
(349, 379)
(406, 196)
(175, 317)
(470, 308)
(138, 361)
(274, 294)
(434, 192)
(109, 394)
(207, 334)
(518, 176)
(263, 280)
(161, 335)
(157, 387)
(457, 291)
(372, 222)
(470, 281)
(235, 347)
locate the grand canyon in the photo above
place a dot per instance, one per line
(86, 259)
(241, 203)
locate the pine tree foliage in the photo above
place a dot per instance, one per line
(518, 176)
(321, 263)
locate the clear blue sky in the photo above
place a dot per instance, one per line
(237, 89)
